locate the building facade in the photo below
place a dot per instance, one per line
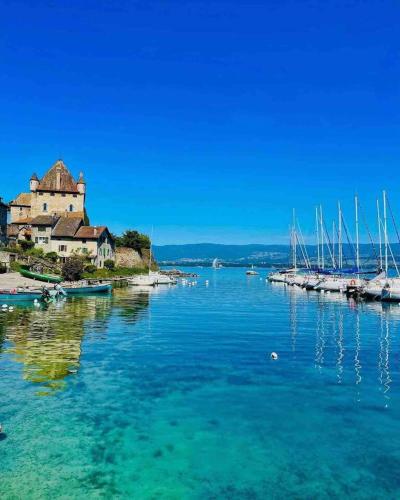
(53, 216)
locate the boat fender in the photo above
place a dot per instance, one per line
(352, 282)
(274, 356)
(13, 291)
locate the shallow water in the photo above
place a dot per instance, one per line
(170, 394)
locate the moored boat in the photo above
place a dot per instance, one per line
(48, 278)
(87, 289)
(142, 280)
(19, 294)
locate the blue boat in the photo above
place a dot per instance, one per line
(15, 295)
(87, 289)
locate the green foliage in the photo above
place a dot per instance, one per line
(52, 256)
(109, 264)
(113, 273)
(72, 269)
(26, 244)
(35, 252)
(133, 239)
(90, 268)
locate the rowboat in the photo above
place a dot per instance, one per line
(48, 278)
(86, 289)
(19, 295)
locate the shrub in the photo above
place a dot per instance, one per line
(72, 269)
(35, 252)
(52, 256)
(133, 239)
(109, 264)
(26, 244)
(90, 268)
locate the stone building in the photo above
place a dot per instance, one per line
(53, 216)
(3, 222)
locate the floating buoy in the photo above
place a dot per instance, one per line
(11, 308)
(4, 306)
(1, 428)
(274, 356)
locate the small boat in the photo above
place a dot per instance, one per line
(86, 289)
(251, 272)
(142, 280)
(162, 279)
(48, 278)
(20, 295)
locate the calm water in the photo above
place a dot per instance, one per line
(170, 394)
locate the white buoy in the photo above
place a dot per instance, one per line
(4, 306)
(274, 356)
(35, 301)
(11, 308)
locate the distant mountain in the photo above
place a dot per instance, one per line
(247, 254)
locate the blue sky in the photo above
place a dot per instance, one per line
(207, 120)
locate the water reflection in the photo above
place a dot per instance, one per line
(47, 341)
(353, 338)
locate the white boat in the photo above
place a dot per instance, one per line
(277, 277)
(162, 279)
(333, 284)
(142, 280)
(251, 272)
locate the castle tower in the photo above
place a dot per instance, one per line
(81, 184)
(34, 183)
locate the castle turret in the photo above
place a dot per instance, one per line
(81, 184)
(34, 182)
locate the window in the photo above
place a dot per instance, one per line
(51, 194)
(71, 208)
(41, 229)
(40, 194)
(63, 195)
(75, 195)
(62, 248)
(20, 209)
(84, 250)
(42, 240)
(83, 241)
(44, 207)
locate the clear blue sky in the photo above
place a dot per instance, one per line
(209, 120)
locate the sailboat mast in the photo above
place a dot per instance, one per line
(322, 237)
(294, 240)
(317, 232)
(385, 231)
(379, 235)
(340, 250)
(333, 243)
(357, 236)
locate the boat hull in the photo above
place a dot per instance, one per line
(19, 297)
(47, 278)
(84, 290)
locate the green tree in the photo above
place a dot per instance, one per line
(72, 269)
(133, 239)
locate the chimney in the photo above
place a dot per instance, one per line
(95, 231)
(58, 178)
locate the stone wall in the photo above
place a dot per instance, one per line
(127, 257)
(43, 203)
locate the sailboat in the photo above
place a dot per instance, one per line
(251, 272)
(149, 279)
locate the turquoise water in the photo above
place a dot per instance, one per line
(171, 394)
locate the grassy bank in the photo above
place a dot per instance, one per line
(114, 273)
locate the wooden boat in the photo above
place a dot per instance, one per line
(87, 289)
(48, 278)
(19, 295)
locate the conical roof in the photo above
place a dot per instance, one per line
(49, 181)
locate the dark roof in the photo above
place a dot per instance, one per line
(44, 220)
(23, 199)
(49, 180)
(66, 227)
(34, 177)
(90, 232)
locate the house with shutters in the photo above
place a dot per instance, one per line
(53, 216)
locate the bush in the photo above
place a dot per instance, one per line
(52, 256)
(133, 239)
(109, 264)
(26, 244)
(35, 252)
(72, 270)
(90, 269)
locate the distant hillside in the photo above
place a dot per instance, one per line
(246, 254)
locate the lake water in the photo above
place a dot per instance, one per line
(171, 394)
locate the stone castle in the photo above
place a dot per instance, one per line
(54, 217)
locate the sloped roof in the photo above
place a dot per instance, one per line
(12, 230)
(90, 232)
(44, 220)
(49, 180)
(66, 227)
(23, 199)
